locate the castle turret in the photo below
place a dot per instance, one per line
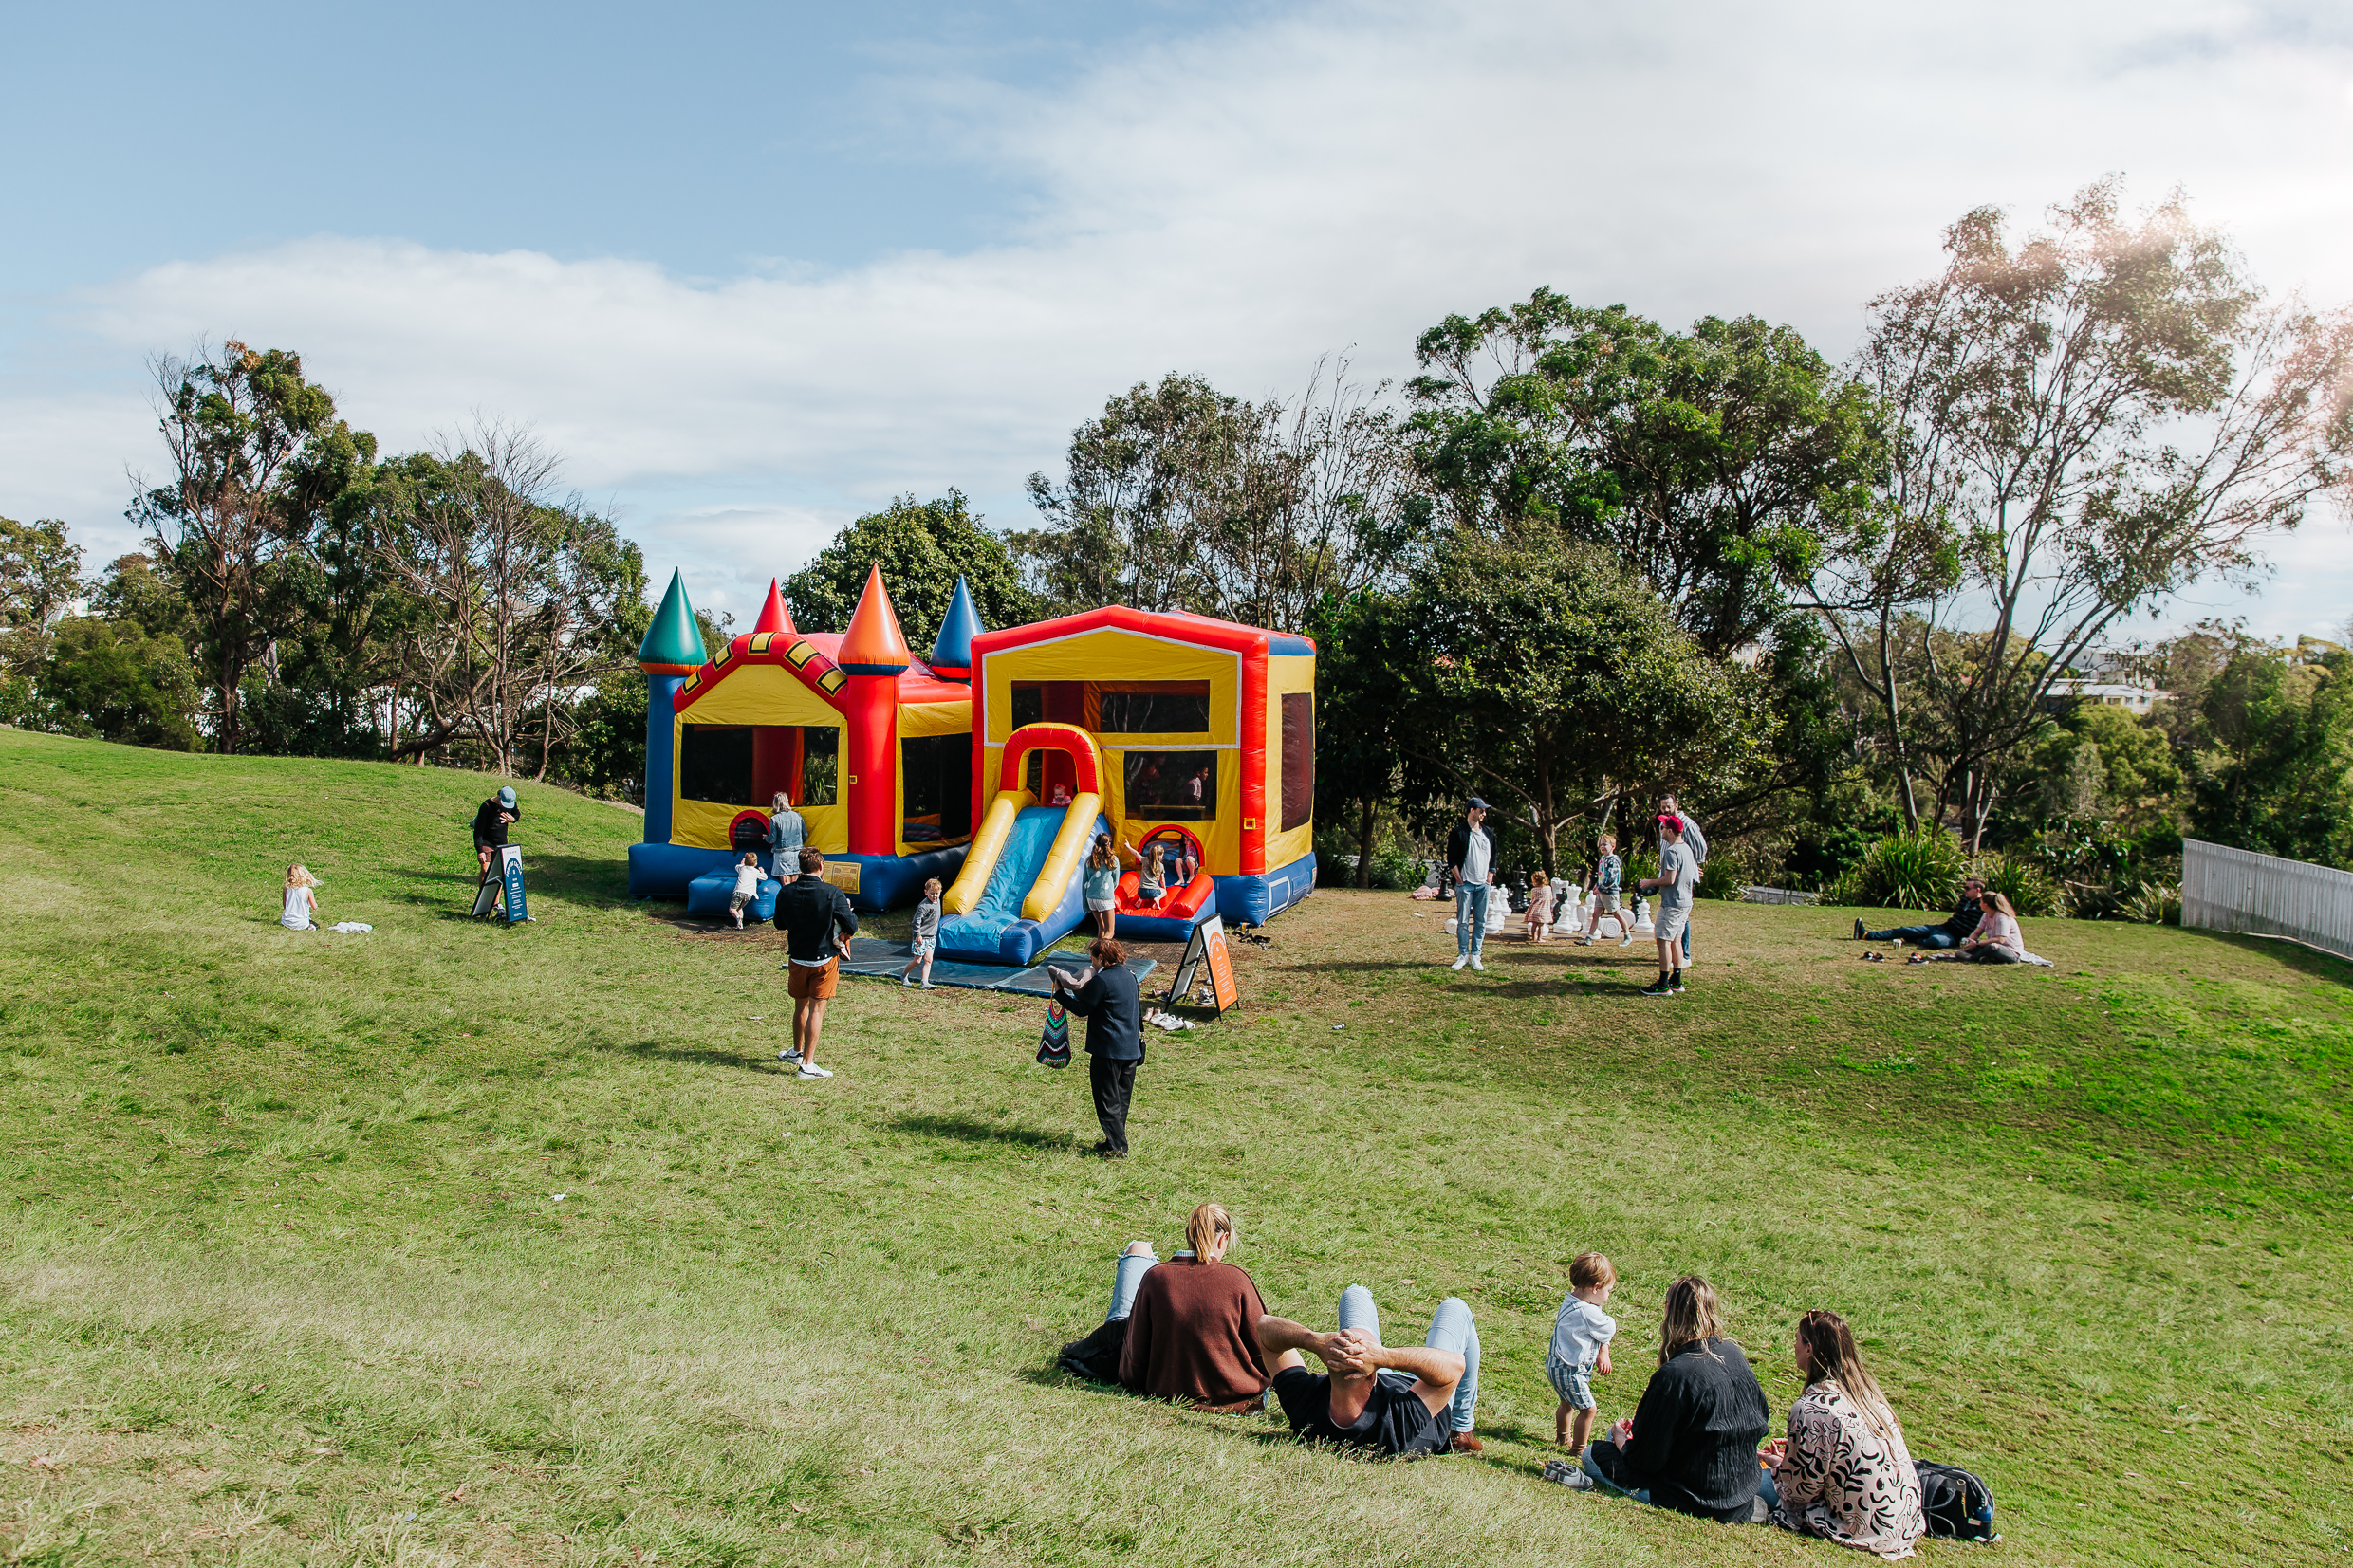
(873, 655)
(774, 616)
(952, 654)
(672, 651)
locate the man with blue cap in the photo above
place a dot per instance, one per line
(490, 827)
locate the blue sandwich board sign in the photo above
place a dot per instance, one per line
(504, 881)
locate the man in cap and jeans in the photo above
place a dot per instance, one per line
(1471, 856)
(490, 827)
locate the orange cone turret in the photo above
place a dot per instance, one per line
(874, 644)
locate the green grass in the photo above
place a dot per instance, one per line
(282, 1278)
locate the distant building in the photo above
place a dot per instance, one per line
(2136, 700)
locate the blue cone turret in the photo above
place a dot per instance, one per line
(952, 653)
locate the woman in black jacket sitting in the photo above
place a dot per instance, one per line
(1691, 1445)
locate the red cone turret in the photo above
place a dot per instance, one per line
(774, 616)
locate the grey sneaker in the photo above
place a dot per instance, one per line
(790, 1055)
(811, 1069)
(1629, 940)
(1561, 1472)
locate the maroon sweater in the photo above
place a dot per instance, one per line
(1194, 1335)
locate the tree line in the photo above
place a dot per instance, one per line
(1580, 557)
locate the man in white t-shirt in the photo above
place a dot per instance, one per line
(1471, 855)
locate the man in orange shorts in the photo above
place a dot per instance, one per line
(818, 923)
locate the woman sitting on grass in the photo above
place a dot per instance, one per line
(1996, 940)
(1691, 1443)
(1844, 1472)
(1188, 1327)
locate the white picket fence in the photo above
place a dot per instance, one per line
(2240, 890)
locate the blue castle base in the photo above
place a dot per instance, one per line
(885, 881)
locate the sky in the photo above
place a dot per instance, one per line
(753, 270)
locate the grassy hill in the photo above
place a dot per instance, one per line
(458, 1243)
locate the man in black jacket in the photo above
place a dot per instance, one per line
(1115, 1036)
(818, 921)
(490, 827)
(1471, 856)
(1954, 931)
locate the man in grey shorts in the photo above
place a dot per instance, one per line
(1678, 878)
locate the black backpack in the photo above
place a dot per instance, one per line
(1957, 1503)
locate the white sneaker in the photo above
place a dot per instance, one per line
(907, 980)
(1477, 964)
(1460, 962)
(811, 1069)
(789, 1054)
(1628, 942)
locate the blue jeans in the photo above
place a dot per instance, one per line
(1130, 1278)
(1451, 1328)
(1470, 917)
(1765, 1487)
(1926, 936)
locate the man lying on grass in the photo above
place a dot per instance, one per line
(1408, 1402)
(1959, 929)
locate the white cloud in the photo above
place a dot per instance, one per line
(1241, 202)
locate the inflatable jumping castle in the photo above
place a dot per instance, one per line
(990, 764)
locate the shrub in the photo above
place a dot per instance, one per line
(1725, 872)
(2028, 888)
(1909, 871)
(2152, 904)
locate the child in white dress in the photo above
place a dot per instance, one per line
(301, 910)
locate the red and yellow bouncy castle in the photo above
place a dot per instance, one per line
(1173, 732)
(869, 744)
(1202, 742)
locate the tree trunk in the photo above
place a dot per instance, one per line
(1364, 844)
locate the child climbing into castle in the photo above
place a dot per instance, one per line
(1540, 908)
(1610, 876)
(747, 886)
(1151, 882)
(926, 940)
(301, 910)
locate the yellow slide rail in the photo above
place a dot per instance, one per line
(1062, 861)
(980, 861)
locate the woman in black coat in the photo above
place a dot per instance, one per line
(1115, 1036)
(1691, 1443)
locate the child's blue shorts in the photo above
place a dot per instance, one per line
(1573, 1384)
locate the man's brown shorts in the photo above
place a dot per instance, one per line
(813, 981)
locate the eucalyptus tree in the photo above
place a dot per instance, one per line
(2087, 419)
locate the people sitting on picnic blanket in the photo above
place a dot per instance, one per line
(1949, 933)
(1691, 1443)
(1996, 940)
(1407, 1401)
(1844, 1472)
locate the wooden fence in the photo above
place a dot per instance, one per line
(2237, 890)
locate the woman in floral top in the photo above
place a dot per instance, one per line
(1844, 1472)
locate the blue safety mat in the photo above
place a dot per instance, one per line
(978, 977)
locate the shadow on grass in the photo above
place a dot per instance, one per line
(2286, 950)
(566, 879)
(699, 1056)
(967, 1130)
